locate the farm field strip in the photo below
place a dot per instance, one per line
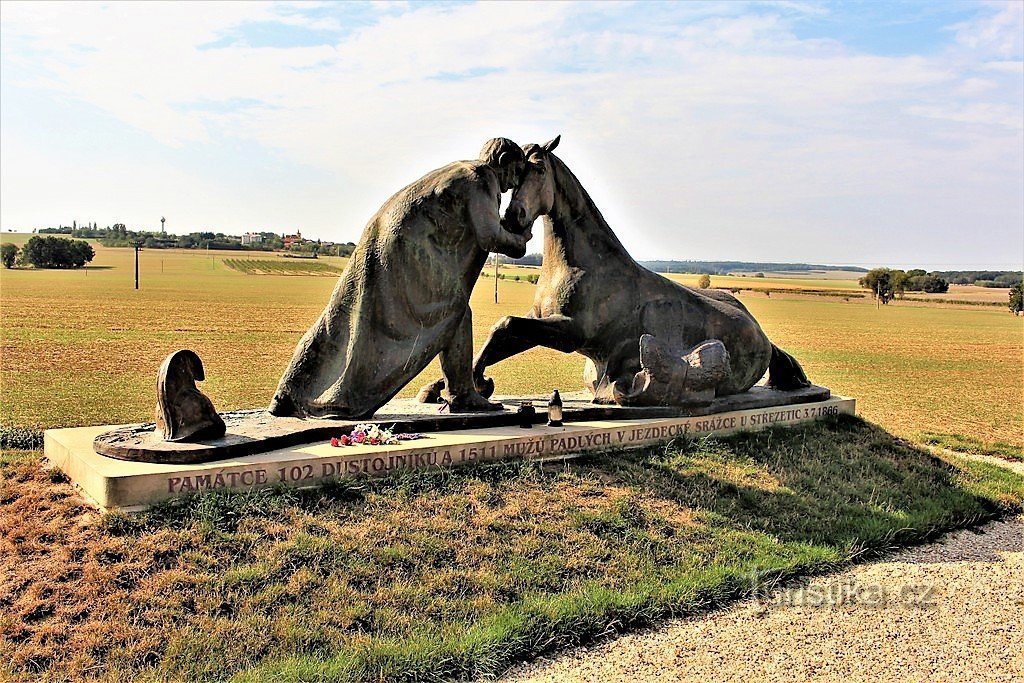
(281, 266)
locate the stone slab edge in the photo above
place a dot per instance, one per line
(126, 485)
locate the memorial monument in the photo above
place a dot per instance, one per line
(662, 360)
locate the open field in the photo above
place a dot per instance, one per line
(444, 574)
(999, 295)
(82, 347)
(19, 238)
(784, 281)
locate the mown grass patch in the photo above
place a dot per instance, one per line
(460, 573)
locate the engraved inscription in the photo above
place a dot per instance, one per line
(564, 443)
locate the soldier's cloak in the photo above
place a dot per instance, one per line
(398, 303)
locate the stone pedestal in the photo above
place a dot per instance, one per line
(112, 483)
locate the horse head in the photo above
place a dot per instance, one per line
(535, 194)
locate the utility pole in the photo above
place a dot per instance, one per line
(137, 244)
(496, 277)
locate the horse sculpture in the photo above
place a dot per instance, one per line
(647, 340)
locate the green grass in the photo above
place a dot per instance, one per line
(966, 444)
(437, 574)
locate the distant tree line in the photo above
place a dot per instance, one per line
(982, 278)
(531, 278)
(701, 267)
(118, 235)
(48, 252)
(528, 260)
(726, 267)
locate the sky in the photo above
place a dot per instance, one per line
(862, 133)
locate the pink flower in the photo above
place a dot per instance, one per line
(344, 440)
(374, 441)
(358, 437)
(335, 442)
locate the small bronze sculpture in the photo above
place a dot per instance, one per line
(183, 413)
(404, 297)
(647, 340)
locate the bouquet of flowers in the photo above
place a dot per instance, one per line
(373, 435)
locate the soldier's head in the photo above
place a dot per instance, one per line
(507, 160)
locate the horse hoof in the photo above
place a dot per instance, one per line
(485, 385)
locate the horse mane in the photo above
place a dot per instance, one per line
(579, 202)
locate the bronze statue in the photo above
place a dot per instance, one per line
(183, 413)
(648, 340)
(404, 297)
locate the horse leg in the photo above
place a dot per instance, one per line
(514, 334)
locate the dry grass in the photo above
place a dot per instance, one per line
(971, 293)
(433, 575)
(912, 369)
(93, 327)
(82, 347)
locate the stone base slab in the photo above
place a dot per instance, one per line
(121, 484)
(257, 431)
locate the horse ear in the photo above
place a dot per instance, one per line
(196, 365)
(550, 145)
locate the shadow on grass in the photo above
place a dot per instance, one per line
(460, 574)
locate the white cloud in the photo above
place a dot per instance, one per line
(715, 125)
(999, 34)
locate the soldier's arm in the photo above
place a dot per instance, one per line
(486, 221)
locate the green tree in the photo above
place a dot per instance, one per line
(56, 252)
(899, 282)
(704, 282)
(1017, 298)
(885, 283)
(8, 254)
(933, 284)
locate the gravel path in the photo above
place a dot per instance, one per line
(948, 611)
